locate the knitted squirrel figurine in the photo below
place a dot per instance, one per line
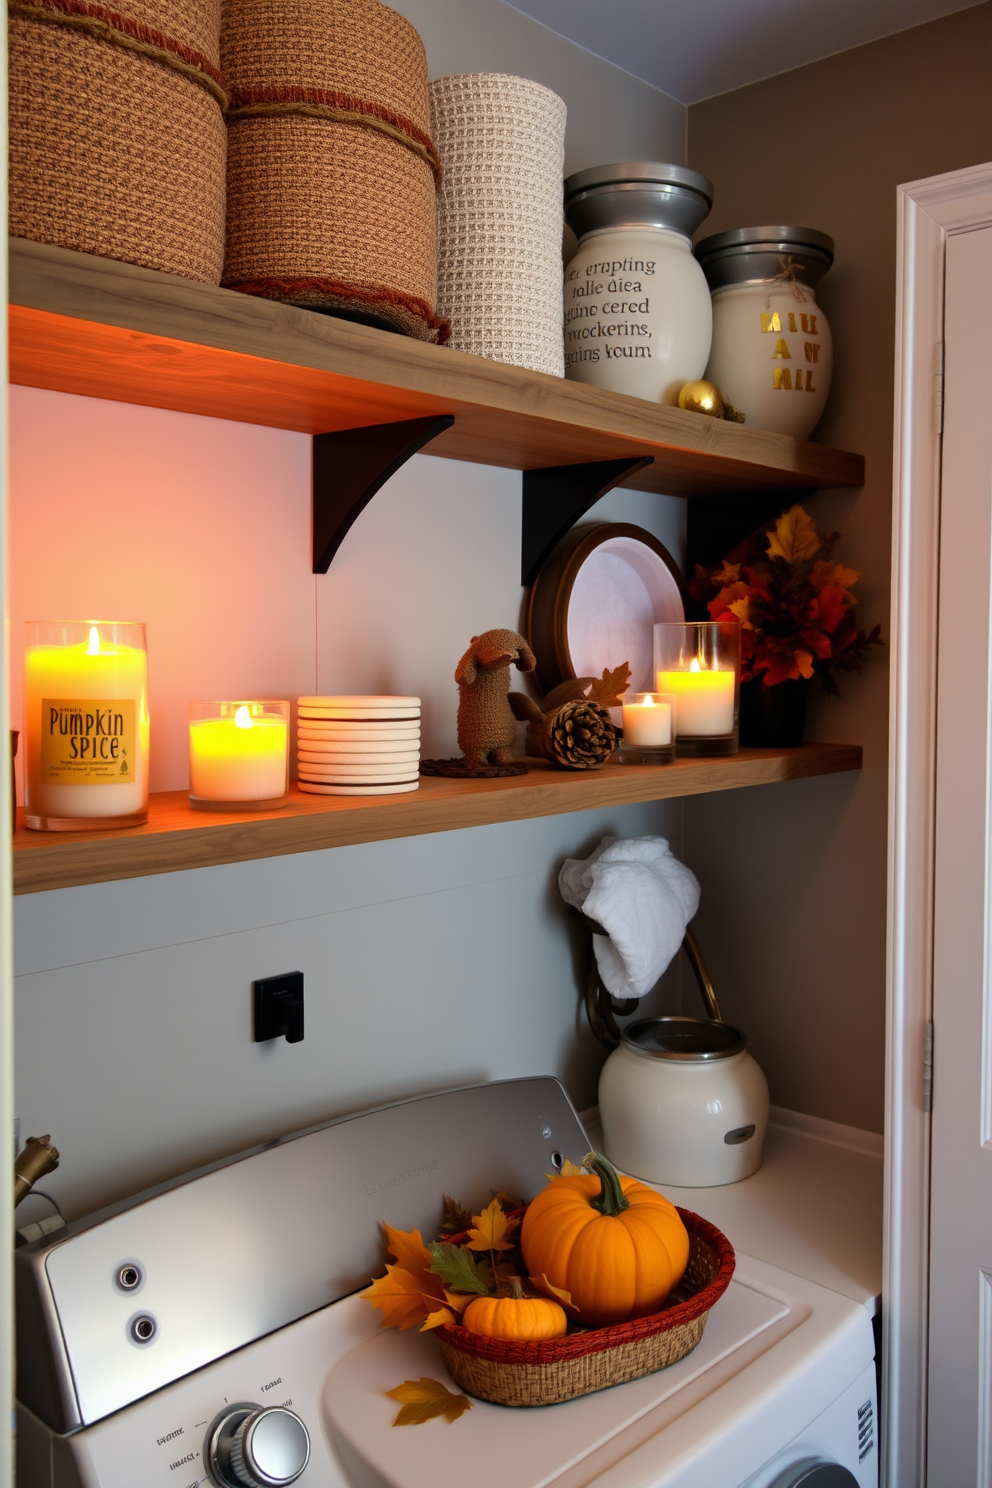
(487, 729)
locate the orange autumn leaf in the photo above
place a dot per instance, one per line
(424, 1399)
(795, 537)
(404, 1300)
(408, 1248)
(557, 1294)
(491, 1229)
(727, 573)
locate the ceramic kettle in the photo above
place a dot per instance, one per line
(681, 1100)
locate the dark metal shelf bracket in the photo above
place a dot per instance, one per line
(351, 465)
(554, 500)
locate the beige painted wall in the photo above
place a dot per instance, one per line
(794, 876)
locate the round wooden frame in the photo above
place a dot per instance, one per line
(546, 617)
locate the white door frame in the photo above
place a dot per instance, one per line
(929, 212)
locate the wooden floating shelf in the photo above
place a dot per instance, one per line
(176, 837)
(80, 324)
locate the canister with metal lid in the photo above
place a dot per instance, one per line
(637, 309)
(772, 354)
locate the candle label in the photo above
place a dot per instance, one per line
(87, 741)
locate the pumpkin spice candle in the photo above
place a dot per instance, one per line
(86, 724)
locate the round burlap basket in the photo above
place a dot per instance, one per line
(117, 137)
(332, 176)
(502, 146)
(579, 1364)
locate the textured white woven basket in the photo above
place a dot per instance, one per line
(502, 146)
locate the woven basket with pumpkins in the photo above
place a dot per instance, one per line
(597, 1281)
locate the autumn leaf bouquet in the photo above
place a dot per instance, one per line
(520, 1296)
(794, 603)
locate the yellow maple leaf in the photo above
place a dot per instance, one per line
(403, 1299)
(424, 1399)
(491, 1229)
(568, 1170)
(795, 537)
(444, 1317)
(742, 609)
(541, 1284)
(834, 573)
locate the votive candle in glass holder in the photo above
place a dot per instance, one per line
(699, 662)
(648, 728)
(85, 724)
(238, 755)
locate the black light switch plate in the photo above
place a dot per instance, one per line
(278, 1008)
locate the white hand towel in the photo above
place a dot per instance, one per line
(643, 897)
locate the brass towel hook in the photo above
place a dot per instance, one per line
(602, 1007)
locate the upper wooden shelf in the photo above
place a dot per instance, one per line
(80, 324)
(177, 837)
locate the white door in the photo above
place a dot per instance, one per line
(959, 1436)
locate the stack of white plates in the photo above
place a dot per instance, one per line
(358, 746)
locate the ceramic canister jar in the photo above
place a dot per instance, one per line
(682, 1102)
(637, 310)
(772, 355)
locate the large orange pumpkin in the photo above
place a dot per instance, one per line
(613, 1243)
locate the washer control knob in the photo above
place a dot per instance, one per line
(253, 1446)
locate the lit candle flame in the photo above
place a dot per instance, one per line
(694, 665)
(242, 718)
(93, 649)
(648, 701)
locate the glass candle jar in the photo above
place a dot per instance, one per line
(699, 662)
(85, 724)
(648, 728)
(238, 755)
(772, 353)
(638, 318)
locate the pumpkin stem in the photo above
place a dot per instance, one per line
(611, 1200)
(516, 1289)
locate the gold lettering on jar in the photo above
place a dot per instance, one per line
(770, 322)
(783, 379)
(809, 381)
(812, 351)
(782, 350)
(792, 321)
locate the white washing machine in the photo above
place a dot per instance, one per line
(208, 1333)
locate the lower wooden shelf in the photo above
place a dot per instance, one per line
(176, 837)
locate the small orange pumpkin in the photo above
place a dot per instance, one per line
(615, 1245)
(515, 1317)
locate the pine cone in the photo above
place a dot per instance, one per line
(578, 736)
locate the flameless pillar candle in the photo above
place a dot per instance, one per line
(86, 722)
(238, 755)
(705, 699)
(698, 662)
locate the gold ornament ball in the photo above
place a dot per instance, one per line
(701, 397)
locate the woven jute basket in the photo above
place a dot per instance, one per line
(117, 136)
(501, 140)
(332, 176)
(562, 1368)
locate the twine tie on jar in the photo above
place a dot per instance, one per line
(786, 279)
